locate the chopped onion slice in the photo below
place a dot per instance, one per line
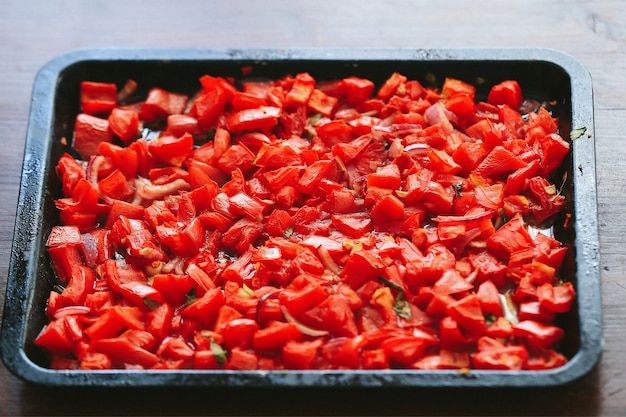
(304, 329)
(149, 191)
(93, 167)
(327, 260)
(508, 308)
(71, 311)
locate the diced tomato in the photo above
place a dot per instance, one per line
(557, 299)
(279, 222)
(355, 90)
(236, 156)
(123, 351)
(275, 336)
(469, 155)
(89, 131)
(301, 355)
(333, 315)
(388, 208)
(243, 100)
(387, 176)
(452, 86)
(468, 313)
(300, 91)
(499, 161)
(313, 174)
(175, 288)
(489, 298)
(124, 159)
(97, 97)
(488, 131)
(538, 335)
(451, 336)
(463, 106)
(179, 124)
(504, 358)
(80, 284)
(404, 350)
(146, 160)
(209, 104)
(65, 260)
(159, 321)
(516, 182)
(261, 118)
(245, 205)
(547, 201)
(322, 103)
(339, 132)
(451, 282)
(490, 197)
(547, 359)
(308, 224)
(352, 225)
(241, 360)
(205, 308)
(533, 310)
(242, 234)
(115, 186)
(64, 235)
(124, 124)
(507, 92)
(172, 150)
(70, 172)
(239, 333)
(361, 266)
(298, 300)
(509, 238)
(161, 103)
(55, 338)
(135, 236)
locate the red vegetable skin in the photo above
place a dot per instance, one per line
(319, 225)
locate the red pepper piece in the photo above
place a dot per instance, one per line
(97, 97)
(89, 131)
(124, 124)
(261, 118)
(355, 90)
(507, 92)
(161, 103)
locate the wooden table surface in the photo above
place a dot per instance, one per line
(594, 32)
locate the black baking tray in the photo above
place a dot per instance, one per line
(544, 74)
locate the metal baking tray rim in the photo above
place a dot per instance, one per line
(24, 260)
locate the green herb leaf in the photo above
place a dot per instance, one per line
(458, 189)
(402, 307)
(218, 352)
(150, 303)
(576, 133)
(190, 297)
(314, 119)
(431, 79)
(390, 284)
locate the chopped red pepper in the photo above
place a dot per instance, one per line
(308, 224)
(507, 92)
(97, 97)
(160, 103)
(89, 132)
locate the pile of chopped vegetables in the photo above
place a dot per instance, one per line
(305, 224)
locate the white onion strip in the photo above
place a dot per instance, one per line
(303, 328)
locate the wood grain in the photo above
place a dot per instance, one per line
(594, 32)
